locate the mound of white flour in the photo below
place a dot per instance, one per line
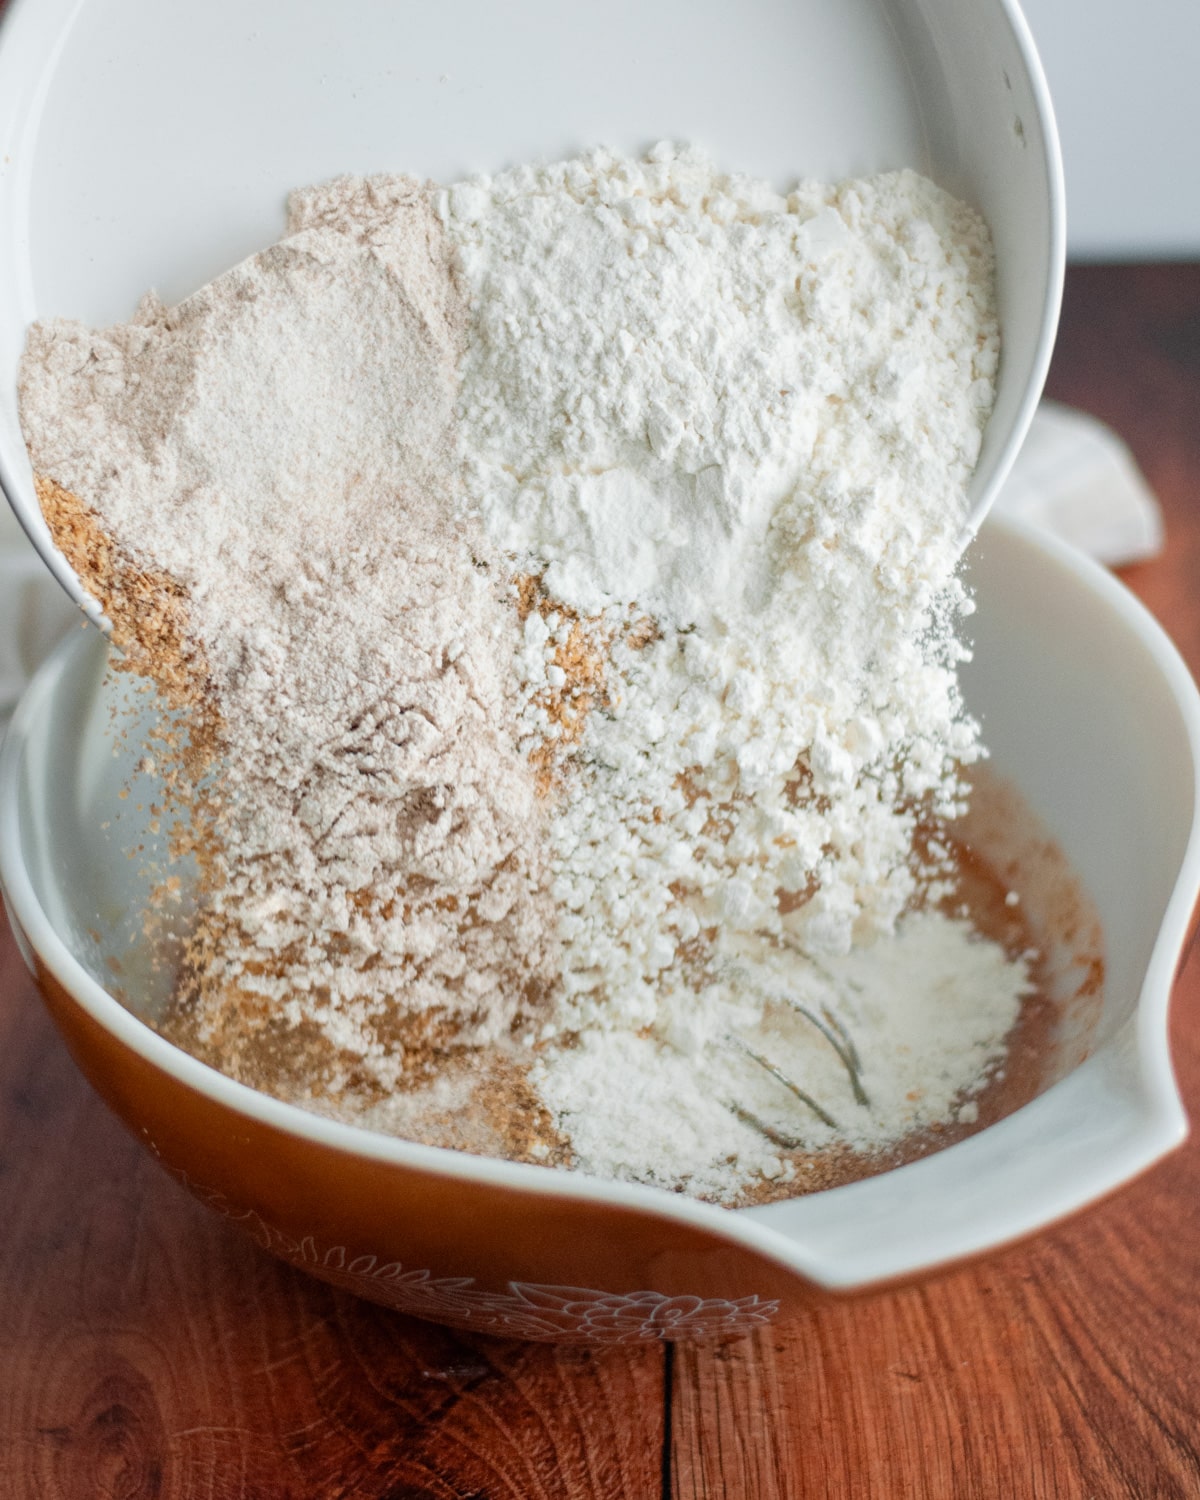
(752, 418)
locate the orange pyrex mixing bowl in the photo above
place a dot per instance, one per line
(1087, 709)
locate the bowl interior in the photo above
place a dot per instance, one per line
(1087, 710)
(88, 815)
(146, 147)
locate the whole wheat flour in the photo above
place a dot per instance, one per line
(570, 558)
(281, 445)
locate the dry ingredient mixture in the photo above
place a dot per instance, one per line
(559, 571)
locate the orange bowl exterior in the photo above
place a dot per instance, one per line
(482, 1256)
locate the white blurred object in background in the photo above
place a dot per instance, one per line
(1077, 478)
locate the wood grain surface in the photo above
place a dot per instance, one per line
(146, 1350)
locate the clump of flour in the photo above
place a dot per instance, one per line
(570, 556)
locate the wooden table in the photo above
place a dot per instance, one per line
(146, 1350)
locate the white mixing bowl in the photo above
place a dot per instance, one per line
(153, 144)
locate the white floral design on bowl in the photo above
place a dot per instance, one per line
(527, 1310)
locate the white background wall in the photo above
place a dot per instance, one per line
(1125, 79)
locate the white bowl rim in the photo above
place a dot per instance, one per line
(1163, 1130)
(1056, 266)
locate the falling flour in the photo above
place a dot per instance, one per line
(567, 562)
(281, 445)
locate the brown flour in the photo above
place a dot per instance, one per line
(273, 460)
(148, 608)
